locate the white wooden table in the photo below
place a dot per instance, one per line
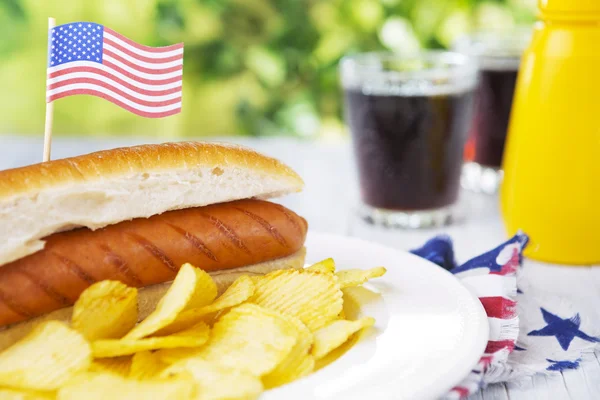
(328, 204)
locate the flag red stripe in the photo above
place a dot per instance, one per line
(158, 103)
(140, 57)
(127, 85)
(499, 307)
(141, 46)
(137, 78)
(111, 76)
(115, 101)
(495, 345)
(138, 68)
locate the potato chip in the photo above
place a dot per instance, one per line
(171, 356)
(335, 334)
(255, 278)
(195, 336)
(356, 277)
(44, 359)
(146, 365)
(298, 363)
(239, 291)
(117, 365)
(215, 382)
(99, 386)
(105, 310)
(14, 394)
(325, 266)
(315, 298)
(191, 288)
(304, 366)
(250, 338)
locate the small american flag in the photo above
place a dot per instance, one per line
(88, 58)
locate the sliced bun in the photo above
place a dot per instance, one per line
(149, 296)
(106, 187)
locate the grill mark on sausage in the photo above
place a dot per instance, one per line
(75, 268)
(289, 217)
(194, 241)
(265, 224)
(155, 251)
(14, 306)
(227, 231)
(49, 290)
(121, 265)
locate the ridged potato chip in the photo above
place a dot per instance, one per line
(298, 362)
(356, 277)
(105, 310)
(304, 366)
(14, 394)
(250, 338)
(99, 386)
(117, 365)
(335, 334)
(313, 297)
(326, 266)
(191, 288)
(146, 365)
(239, 291)
(44, 359)
(215, 382)
(195, 336)
(171, 356)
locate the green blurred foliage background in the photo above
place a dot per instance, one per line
(252, 67)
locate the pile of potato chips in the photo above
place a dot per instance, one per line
(262, 332)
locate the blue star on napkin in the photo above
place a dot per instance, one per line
(565, 330)
(562, 365)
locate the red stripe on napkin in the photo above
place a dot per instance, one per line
(499, 307)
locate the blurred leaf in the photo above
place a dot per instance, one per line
(13, 8)
(12, 25)
(266, 64)
(452, 27)
(300, 116)
(333, 45)
(492, 16)
(250, 21)
(170, 18)
(202, 25)
(324, 15)
(398, 35)
(367, 14)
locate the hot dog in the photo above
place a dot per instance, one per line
(220, 237)
(147, 251)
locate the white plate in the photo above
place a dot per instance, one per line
(430, 330)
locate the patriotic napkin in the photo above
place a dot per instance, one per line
(532, 329)
(492, 278)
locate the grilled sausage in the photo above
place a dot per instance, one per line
(146, 251)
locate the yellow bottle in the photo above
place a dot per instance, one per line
(551, 187)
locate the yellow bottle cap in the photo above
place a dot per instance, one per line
(570, 8)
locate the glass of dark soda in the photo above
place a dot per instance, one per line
(498, 56)
(409, 118)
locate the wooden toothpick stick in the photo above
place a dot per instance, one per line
(49, 106)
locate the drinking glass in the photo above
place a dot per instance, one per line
(498, 56)
(409, 118)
